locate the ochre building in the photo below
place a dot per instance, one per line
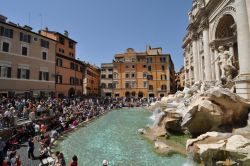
(91, 82)
(144, 74)
(69, 70)
(27, 61)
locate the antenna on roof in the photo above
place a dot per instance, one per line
(41, 16)
(29, 19)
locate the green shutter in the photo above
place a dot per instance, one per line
(11, 33)
(9, 72)
(18, 73)
(40, 75)
(21, 36)
(29, 37)
(1, 31)
(47, 76)
(27, 74)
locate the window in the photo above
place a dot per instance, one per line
(133, 75)
(24, 51)
(110, 85)
(144, 66)
(110, 70)
(144, 75)
(6, 32)
(149, 60)
(127, 66)
(44, 43)
(103, 76)
(76, 67)
(72, 81)
(44, 55)
(25, 37)
(104, 70)
(163, 87)
(61, 50)
(59, 79)
(5, 47)
(149, 68)
(59, 62)
(103, 85)
(115, 75)
(145, 84)
(127, 75)
(133, 84)
(163, 59)
(133, 66)
(23, 73)
(127, 85)
(61, 40)
(163, 68)
(150, 87)
(72, 66)
(43, 75)
(5, 72)
(110, 76)
(71, 44)
(81, 82)
(163, 77)
(150, 77)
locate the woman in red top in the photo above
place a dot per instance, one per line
(74, 161)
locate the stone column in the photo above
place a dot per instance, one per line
(212, 64)
(243, 32)
(248, 12)
(207, 57)
(195, 57)
(216, 66)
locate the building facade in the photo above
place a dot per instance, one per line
(145, 74)
(180, 79)
(107, 79)
(27, 61)
(217, 43)
(69, 70)
(91, 81)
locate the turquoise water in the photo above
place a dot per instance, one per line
(114, 137)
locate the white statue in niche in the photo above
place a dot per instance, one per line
(225, 62)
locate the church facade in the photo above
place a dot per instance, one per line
(217, 43)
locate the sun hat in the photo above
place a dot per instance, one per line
(104, 162)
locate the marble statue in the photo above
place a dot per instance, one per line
(225, 62)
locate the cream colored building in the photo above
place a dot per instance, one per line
(213, 24)
(27, 61)
(107, 79)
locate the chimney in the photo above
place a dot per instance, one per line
(27, 27)
(3, 18)
(66, 33)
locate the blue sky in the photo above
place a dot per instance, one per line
(103, 28)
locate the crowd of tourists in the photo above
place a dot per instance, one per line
(46, 119)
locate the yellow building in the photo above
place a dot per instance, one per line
(145, 74)
(69, 70)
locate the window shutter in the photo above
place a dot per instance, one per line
(9, 72)
(21, 36)
(29, 37)
(1, 30)
(11, 33)
(47, 76)
(18, 73)
(40, 75)
(27, 74)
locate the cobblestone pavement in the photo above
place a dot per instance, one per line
(23, 151)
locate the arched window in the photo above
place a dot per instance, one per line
(150, 87)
